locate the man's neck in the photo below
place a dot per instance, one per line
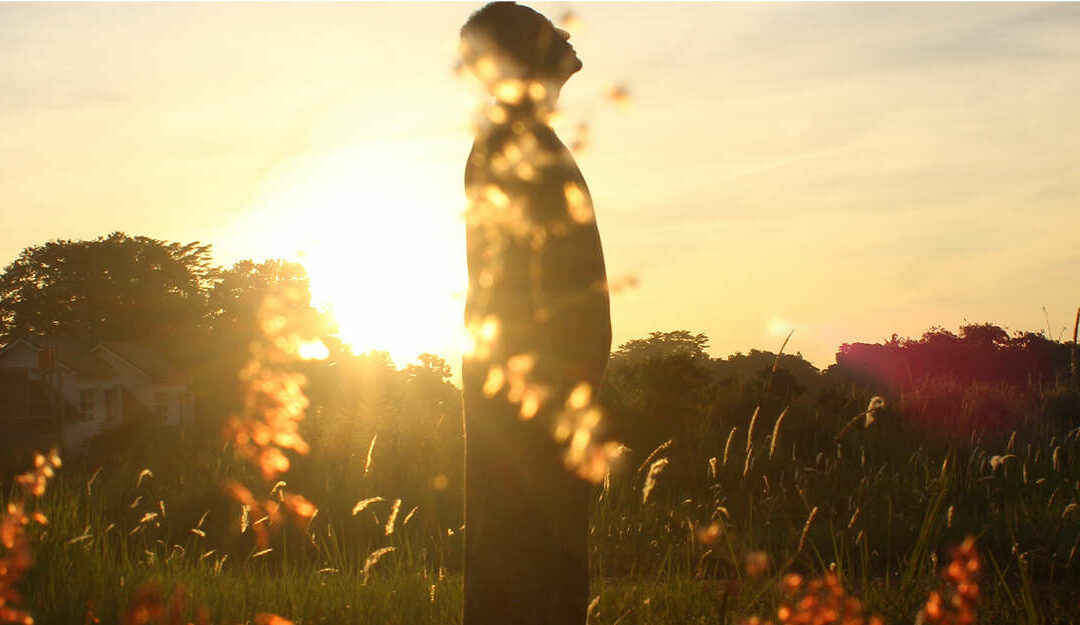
(528, 110)
(536, 99)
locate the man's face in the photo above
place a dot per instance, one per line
(569, 63)
(562, 59)
(552, 58)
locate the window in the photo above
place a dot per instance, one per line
(113, 407)
(161, 406)
(187, 408)
(87, 399)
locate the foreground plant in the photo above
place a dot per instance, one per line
(824, 601)
(16, 557)
(273, 408)
(819, 602)
(955, 604)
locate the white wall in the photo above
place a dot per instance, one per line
(75, 431)
(21, 355)
(142, 387)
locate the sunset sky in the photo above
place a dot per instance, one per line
(847, 170)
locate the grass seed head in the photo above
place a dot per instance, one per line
(650, 479)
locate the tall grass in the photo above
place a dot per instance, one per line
(876, 509)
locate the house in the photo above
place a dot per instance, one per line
(59, 392)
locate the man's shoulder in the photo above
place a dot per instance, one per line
(527, 153)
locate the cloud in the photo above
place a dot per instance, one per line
(1013, 38)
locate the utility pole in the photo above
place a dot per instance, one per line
(1075, 361)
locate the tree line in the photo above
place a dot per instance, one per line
(172, 297)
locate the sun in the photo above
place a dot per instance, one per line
(380, 232)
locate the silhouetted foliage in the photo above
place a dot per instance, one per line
(656, 385)
(233, 323)
(113, 287)
(952, 384)
(981, 353)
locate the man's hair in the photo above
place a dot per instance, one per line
(511, 29)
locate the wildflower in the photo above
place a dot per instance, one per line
(822, 601)
(16, 558)
(955, 605)
(757, 563)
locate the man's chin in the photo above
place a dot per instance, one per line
(567, 67)
(572, 67)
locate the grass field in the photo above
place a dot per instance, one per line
(726, 519)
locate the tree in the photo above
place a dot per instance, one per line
(235, 307)
(984, 334)
(981, 353)
(665, 344)
(778, 382)
(239, 293)
(110, 288)
(655, 386)
(430, 366)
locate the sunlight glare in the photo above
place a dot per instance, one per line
(382, 244)
(778, 326)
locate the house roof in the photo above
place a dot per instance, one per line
(88, 362)
(143, 358)
(75, 355)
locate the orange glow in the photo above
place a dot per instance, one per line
(384, 254)
(312, 350)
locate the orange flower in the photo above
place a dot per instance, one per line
(962, 589)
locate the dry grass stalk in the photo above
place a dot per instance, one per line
(750, 432)
(776, 363)
(867, 416)
(370, 455)
(727, 445)
(776, 432)
(590, 612)
(90, 482)
(806, 529)
(650, 480)
(363, 503)
(372, 560)
(390, 520)
(648, 460)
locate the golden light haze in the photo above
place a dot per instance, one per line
(847, 170)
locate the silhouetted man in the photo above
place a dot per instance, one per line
(538, 309)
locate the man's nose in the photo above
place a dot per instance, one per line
(563, 33)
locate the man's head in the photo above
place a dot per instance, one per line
(508, 41)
